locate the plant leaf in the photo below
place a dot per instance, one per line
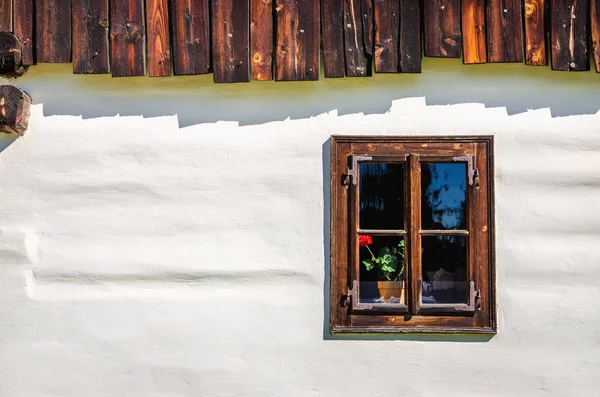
(368, 264)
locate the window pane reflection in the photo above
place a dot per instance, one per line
(443, 196)
(381, 196)
(444, 269)
(382, 269)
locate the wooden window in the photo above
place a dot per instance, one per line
(412, 235)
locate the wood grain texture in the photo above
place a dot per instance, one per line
(297, 55)
(504, 30)
(11, 51)
(569, 35)
(535, 33)
(368, 25)
(159, 43)
(332, 21)
(261, 39)
(90, 36)
(53, 30)
(387, 21)
(410, 36)
(6, 16)
(128, 38)
(23, 28)
(230, 41)
(442, 34)
(357, 62)
(190, 20)
(595, 26)
(473, 31)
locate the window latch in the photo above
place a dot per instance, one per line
(351, 300)
(474, 300)
(352, 172)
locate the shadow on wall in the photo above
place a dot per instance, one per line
(326, 147)
(6, 140)
(196, 99)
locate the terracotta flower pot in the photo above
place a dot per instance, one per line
(391, 289)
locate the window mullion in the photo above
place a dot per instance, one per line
(414, 193)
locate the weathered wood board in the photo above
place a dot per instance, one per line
(441, 29)
(357, 61)
(535, 33)
(410, 36)
(297, 50)
(23, 18)
(569, 35)
(595, 26)
(504, 30)
(6, 16)
(190, 20)
(90, 36)
(261, 39)
(332, 14)
(387, 47)
(473, 31)
(53, 30)
(230, 41)
(157, 32)
(128, 38)
(368, 24)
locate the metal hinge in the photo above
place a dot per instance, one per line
(473, 173)
(352, 172)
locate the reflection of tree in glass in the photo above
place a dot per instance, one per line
(443, 190)
(381, 196)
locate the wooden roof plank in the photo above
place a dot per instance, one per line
(6, 16)
(53, 31)
(298, 38)
(159, 43)
(332, 14)
(473, 31)
(410, 36)
(387, 46)
(261, 39)
(357, 63)
(128, 38)
(442, 34)
(190, 21)
(90, 36)
(595, 26)
(569, 35)
(535, 33)
(23, 28)
(504, 31)
(230, 41)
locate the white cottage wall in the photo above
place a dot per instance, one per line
(140, 259)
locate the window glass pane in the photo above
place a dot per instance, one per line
(382, 270)
(443, 196)
(444, 269)
(381, 196)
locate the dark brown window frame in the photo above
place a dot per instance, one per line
(478, 316)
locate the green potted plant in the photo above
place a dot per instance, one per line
(390, 266)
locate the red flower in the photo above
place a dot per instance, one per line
(365, 240)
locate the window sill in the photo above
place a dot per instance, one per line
(412, 330)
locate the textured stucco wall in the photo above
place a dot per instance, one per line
(139, 259)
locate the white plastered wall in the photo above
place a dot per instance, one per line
(140, 259)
